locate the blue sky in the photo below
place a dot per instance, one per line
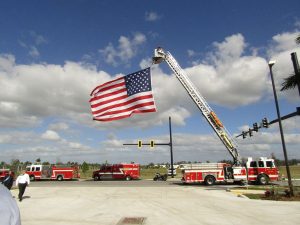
(53, 53)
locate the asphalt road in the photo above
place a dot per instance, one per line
(123, 183)
(135, 183)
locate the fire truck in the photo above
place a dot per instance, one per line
(54, 172)
(3, 173)
(261, 171)
(127, 171)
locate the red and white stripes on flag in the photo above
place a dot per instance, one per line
(120, 98)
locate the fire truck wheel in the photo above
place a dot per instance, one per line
(96, 178)
(60, 178)
(32, 178)
(128, 178)
(210, 180)
(262, 179)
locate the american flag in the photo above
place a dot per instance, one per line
(120, 98)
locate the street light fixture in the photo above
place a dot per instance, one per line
(271, 64)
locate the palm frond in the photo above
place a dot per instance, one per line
(298, 39)
(289, 83)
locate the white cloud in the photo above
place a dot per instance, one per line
(30, 41)
(230, 49)
(51, 135)
(30, 93)
(33, 52)
(59, 126)
(191, 53)
(126, 49)
(152, 16)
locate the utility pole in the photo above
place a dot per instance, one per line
(271, 63)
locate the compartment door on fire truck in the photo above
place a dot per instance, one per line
(46, 172)
(107, 173)
(118, 172)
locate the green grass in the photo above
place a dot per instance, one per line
(295, 171)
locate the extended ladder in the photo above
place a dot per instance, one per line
(159, 56)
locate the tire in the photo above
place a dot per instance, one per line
(210, 180)
(32, 178)
(262, 179)
(128, 178)
(165, 177)
(96, 178)
(60, 178)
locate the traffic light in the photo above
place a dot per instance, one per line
(140, 144)
(244, 134)
(151, 144)
(250, 132)
(265, 122)
(255, 127)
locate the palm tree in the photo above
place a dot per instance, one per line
(298, 39)
(291, 81)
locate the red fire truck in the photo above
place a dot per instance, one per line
(3, 173)
(55, 172)
(117, 171)
(260, 171)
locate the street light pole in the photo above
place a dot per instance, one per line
(171, 148)
(271, 64)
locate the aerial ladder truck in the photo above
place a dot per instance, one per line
(260, 171)
(159, 56)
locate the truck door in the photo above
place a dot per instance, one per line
(271, 170)
(252, 171)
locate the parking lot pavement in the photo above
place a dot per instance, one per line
(177, 205)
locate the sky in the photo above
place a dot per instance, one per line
(54, 53)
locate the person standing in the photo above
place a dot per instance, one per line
(8, 180)
(9, 210)
(22, 182)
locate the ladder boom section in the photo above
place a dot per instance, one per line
(225, 137)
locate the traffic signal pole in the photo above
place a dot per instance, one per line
(171, 148)
(140, 144)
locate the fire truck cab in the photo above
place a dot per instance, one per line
(117, 171)
(262, 170)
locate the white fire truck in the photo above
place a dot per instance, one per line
(127, 171)
(262, 170)
(55, 172)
